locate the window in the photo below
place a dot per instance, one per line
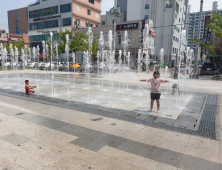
(65, 8)
(78, 8)
(146, 17)
(147, 6)
(103, 22)
(97, 26)
(66, 21)
(88, 24)
(43, 25)
(78, 22)
(97, 15)
(173, 49)
(119, 39)
(51, 24)
(44, 37)
(173, 37)
(179, 20)
(176, 16)
(88, 12)
(91, 1)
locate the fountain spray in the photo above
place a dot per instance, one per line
(101, 46)
(57, 57)
(161, 58)
(74, 60)
(110, 43)
(125, 45)
(51, 34)
(67, 54)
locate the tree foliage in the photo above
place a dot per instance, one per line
(62, 40)
(215, 25)
(79, 43)
(20, 46)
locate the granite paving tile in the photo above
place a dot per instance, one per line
(194, 163)
(15, 139)
(91, 145)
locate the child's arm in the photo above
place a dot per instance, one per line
(32, 87)
(166, 81)
(144, 80)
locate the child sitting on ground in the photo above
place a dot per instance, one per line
(155, 89)
(28, 87)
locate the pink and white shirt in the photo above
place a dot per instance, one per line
(155, 85)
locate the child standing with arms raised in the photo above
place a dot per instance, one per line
(155, 89)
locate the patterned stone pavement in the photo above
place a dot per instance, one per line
(40, 136)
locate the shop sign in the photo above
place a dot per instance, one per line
(13, 39)
(151, 50)
(127, 26)
(48, 32)
(152, 33)
(46, 18)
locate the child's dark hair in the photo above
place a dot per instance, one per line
(156, 72)
(26, 81)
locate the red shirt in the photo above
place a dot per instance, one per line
(27, 90)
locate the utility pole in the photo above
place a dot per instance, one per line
(115, 11)
(114, 29)
(198, 37)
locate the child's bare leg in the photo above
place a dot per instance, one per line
(158, 106)
(151, 105)
(178, 91)
(173, 91)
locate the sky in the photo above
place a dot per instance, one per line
(106, 5)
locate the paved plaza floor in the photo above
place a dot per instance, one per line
(106, 125)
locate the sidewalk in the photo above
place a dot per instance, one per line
(42, 136)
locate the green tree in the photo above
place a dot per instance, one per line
(215, 25)
(79, 43)
(62, 40)
(20, 46)
(95, 47)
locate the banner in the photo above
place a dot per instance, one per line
(151, 50)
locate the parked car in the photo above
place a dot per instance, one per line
(77, 65)
(209, 69)
(63, 66)
(87, 67)
(7, 64)
(44, 66)
(31, 64)
(183, 69)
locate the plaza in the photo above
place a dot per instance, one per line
(105, 124)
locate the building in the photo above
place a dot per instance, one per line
(18, 21)
(59, 15)
(133, 29)
(169, 19)
(193, 22)
(3, 37)
(16, 38)
(108, 19)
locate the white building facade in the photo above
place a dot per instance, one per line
(168, 17)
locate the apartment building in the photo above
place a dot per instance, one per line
(59, 15)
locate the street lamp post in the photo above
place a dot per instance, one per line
(198, 37)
